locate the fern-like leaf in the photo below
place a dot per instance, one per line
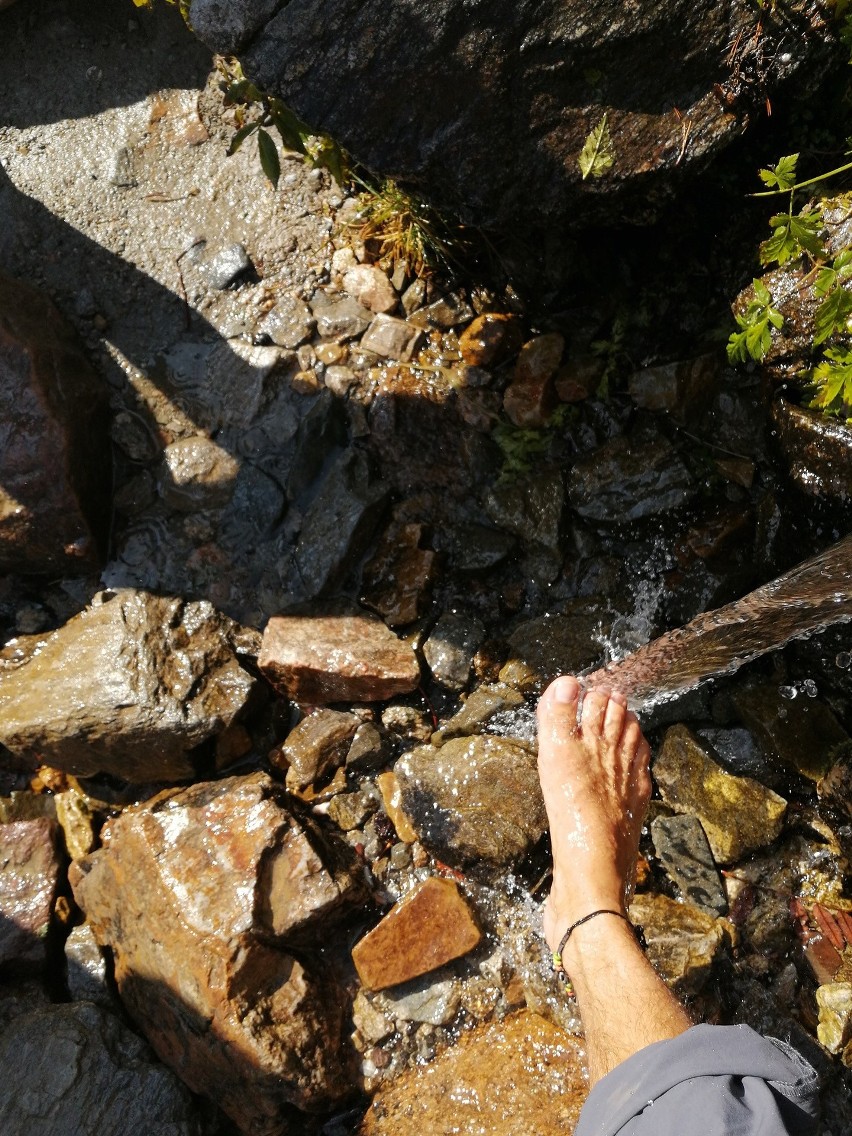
(598, 154)
(782, 175)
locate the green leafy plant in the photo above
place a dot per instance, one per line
(831, 383)
(403, 227)
(524, 449)
(598, 153)
(754, 337)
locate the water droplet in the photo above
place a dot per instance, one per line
(843, 660)
(810, 688)
(788, 692)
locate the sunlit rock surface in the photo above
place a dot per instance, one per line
(77, 1068)
(521, 1071)
(127, 687)
(336, 658)
(54, 447)
(29, 874)
(196, 894)
(738, 815)
(474, 798)
(683, 941)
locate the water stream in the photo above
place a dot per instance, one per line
(807, 599)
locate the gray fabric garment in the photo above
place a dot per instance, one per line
(709, 1081)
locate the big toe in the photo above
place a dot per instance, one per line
(557, 716)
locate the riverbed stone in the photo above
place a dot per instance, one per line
(682, 848)
(316, 746)
(197, 474)
(566, 642)
(473, 799)
(128, 687)
(399, 574)
(224, 876)
(684, 389)
(800, 734)
(683, 941)
(450, 648)
(531, 396)
(289, 323)
(392, 338)
(529, 508)
(341, 319)
(738, 814)
(626, 481)
(389, 787)
(834, 1000)
(429, 926)
(444, 313)
(490, 339)
(77, 1068)
(475, 714)
(29, 874)
(371, 287)
(86, 968)
(55, 467)
(522, 1066)
(428, 1000)
(817, 450)
(349, 657)
(367, 750)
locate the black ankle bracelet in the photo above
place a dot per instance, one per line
(557, 954)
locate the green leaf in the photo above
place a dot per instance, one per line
(754, 338)
(832, 315)
(826, 280)
(782, 175)
(241, 135)
(291, 128)
(270, 163)
(832, 382)
(761, 293)
(806, 229)
(791, 237)
(597, 155)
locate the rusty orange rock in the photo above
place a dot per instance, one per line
(429, 926)
(490, 338)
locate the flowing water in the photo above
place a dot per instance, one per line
(807, 599)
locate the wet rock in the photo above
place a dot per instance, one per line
(197, 474)
(450, 648)
(367, 750)
(835, 789)
(29, 872)
(289, 323)
(371, 288)
(229, 26)
(473, 799)
(565, 643)
(482, 705)
(399, 574)
(85, 968)
(227, 265)
(339, 380)
(350, 810)
(389, 787)
(817, 450)
(625, 481)
(222, 876)
(531, 396)
(737, 814)
(425, 1001)
(368, 1019)
(336, 658)
(490, 339)
(835, 1016)
(317, 745)
(682, 847)
(127, 687)
(340, 319)
(522, 1066)
(476, 548)
(76, 1068)
(392, 338)
(505, 160)
(430, 925)
(407, 723)
(54, 447)
(578, 378)
(739, 752)
(530, 508)
(339, 524)
(76, 818)
(683, 941)
(444, 313)
(684, 389)
(800, 733)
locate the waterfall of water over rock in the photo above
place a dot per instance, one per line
(808, 598)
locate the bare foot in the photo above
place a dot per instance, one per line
(596, 785)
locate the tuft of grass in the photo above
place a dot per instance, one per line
(399, 226)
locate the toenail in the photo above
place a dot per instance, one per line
(563, 691)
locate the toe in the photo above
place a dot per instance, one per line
(557, 714)
(614, 719)
(595, 706)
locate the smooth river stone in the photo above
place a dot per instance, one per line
(430, 925)
(738, 815)
(519, 1074)
(474, 799)
(336, 658)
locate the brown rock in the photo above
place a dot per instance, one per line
(399, 574)
(388, 786)
(430, 925)
(802, 734)
(371, 288)
(126, 687)
(738, 814)
(685, 389)
(579, 377)
(520, 1074)
(54, 447)
(316, 745)
(29, 870)
(392, 338)
(490, 338)
(221, 875)
(336, 658)
(682, 940)
(531, 396)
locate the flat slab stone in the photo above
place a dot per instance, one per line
(29, 871)
(520, 1074)
(336, 658)
(738, 814)
(430, 925)
(474, 798)
(682, 847)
